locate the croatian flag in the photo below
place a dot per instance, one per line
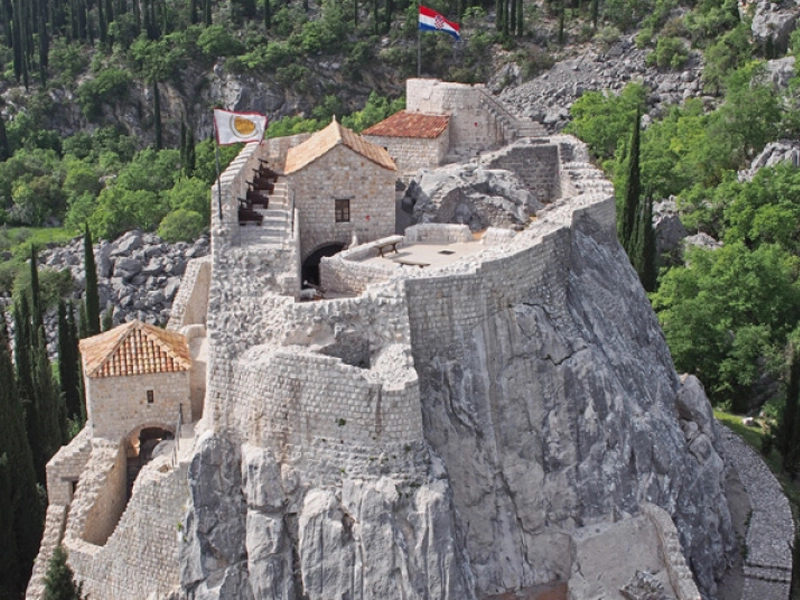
(430, 20)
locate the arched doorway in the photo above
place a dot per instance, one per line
(140, 445)
(311, 264)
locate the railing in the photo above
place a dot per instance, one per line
(177, 446)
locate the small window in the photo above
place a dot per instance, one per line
(149, 396)
(342, 210)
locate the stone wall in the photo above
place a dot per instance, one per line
(670, 548)
(231, 186)
(293, 396)
(108, 494)
(537, 164)
(117, 405)
(66, 467)
(438, 233)
(472, 128)
(343, 174)
(412, 154)
(191, 302)
(140, 558)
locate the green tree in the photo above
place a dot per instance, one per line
(627, 217)
(22, 535)
(69, 362)
(788, 434)
(91, 293)
(59, 581)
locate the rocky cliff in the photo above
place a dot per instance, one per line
(547, 403)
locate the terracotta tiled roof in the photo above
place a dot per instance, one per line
(326, 139)
(410, 125)
(135, 348)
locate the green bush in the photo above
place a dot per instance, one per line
(106, 88)
(216, 41)
(670, 52)
(53, 285)
(182, 225)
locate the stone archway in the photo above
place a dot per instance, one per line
(311, 263)
(139, 446)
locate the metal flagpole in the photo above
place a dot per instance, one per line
(419, 51)
(219, 182)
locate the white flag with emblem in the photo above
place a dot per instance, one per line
(233, 128)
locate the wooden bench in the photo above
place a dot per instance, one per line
(391, 245)
(411, 263)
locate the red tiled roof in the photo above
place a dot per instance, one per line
(325, 140)
(135, 348)
(410, 125)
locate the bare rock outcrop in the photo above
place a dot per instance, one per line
(471, 195)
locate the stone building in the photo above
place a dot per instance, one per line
(343, 187)
(413, 140)
(135, 374)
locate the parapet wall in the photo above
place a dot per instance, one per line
(537, 164)
(140, 558)
(191, 303)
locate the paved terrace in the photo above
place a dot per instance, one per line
(424, 254)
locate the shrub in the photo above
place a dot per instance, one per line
(108, 86)
(181, 225)
(216, 41)
(670, 52)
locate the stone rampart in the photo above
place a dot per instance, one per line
(191, 302)
(437, 233)
(140, 558)
(66, 466)
(537, 164)
(232, 185)
(54, 522)
(680, 576)
(292, 396)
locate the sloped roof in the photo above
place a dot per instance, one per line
(410, 125)
(326, 139)
(135, 348)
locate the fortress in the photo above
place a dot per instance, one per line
(460, 414)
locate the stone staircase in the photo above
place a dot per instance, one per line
(514, 127)
(276, 228)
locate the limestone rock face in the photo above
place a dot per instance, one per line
(471, 195)
(550, 417)
(249, 538)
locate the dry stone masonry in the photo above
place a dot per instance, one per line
(480, 405)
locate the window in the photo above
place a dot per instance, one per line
(149, 396)
(342, 210)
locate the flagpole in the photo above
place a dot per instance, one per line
(219, 187)
(419, 51)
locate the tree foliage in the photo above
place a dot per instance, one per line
(59, 581)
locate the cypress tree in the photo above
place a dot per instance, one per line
(157, 115)
(191, 158)
(59, 582)
(207, 12)
(28, 515)
(37, 316)
(595, 13)
(626, 219)
(268, 14)
(68, 363)
(5, 150)
(183, 144)
(643, 252)
(108, 319)
(788, 439)
(50, 409)
(499, 5)
(91, 294)
(193, 12)
(9, 566)
(520, 22)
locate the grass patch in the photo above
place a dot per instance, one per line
(15, 246)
